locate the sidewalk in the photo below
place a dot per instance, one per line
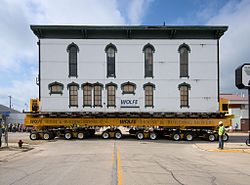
(228, 147)
(12, 151)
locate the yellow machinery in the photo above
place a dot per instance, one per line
(34, 105)
(177, 127)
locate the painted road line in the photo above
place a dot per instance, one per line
(119, 173)
(230, 151)
(116, 163)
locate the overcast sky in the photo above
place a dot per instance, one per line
(18, 53)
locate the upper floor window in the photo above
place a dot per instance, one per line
(111, 94)
(184, 94)
(149, 96)
(87, 94)
(184, 49)
(110, 52)
(98, 94)
(73, 94)
(56, 88)
(72, 49)
(148, 50)
(128, 88)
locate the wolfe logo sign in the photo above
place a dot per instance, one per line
(130, 103)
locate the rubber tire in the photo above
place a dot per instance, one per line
(68, 135)
(118, 133)
(140, 135)
(248, 142)
(152, 135)
(186, 136)
(227, 137)
(46, 136)
(176, 138)
(105, 135)
(33, 134)
(211, 137)
(80, 135)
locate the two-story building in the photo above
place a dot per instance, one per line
(129, 68)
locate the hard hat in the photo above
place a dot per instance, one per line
(220, 123)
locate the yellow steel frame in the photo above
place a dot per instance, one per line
(31, 121)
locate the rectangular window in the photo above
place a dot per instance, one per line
(111, 96)
(148, 62)
(148, 96)
(111, 62)
(87, 95)
(73, 61)
(184, 96)
(97, 96)
(183, 62)
(73, 96)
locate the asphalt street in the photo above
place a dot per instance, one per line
(128, 162)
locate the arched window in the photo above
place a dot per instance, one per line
(128, 88)
(149, 94)
(72, 49)
(184, 49)
(110, 52)
(56, 88)
(111, 94)
(148, 50)
(73, 94)
(98, 94)
(184, 94)
(87, 94)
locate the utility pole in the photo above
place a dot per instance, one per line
(6, 126)
(10, 101)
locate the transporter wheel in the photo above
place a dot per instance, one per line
(152, 135)
(58, 133)
(33, 136)
(46, 136)
(68, 135)
(189, 136)
(225, 137)
(211, 137)
(80, 135)
(118, 135)
(176, 136)
(140, 135)
(105, 135)
(248, 142)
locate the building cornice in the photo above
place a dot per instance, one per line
(127, 32)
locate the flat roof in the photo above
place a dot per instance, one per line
(127, 32)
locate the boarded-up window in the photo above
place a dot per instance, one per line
(184, 94)
(149, 94)
(98, 95)
(128, 88)
(56, 88)
(111, 95)
(87, 95)
(73, 95)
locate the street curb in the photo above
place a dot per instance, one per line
(224, 150)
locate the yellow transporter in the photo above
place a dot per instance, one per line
(187, 127)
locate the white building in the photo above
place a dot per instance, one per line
(238, 106)
(129, 68)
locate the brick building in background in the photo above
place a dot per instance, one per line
(238, 106)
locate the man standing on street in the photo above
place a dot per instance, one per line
(221, 133)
